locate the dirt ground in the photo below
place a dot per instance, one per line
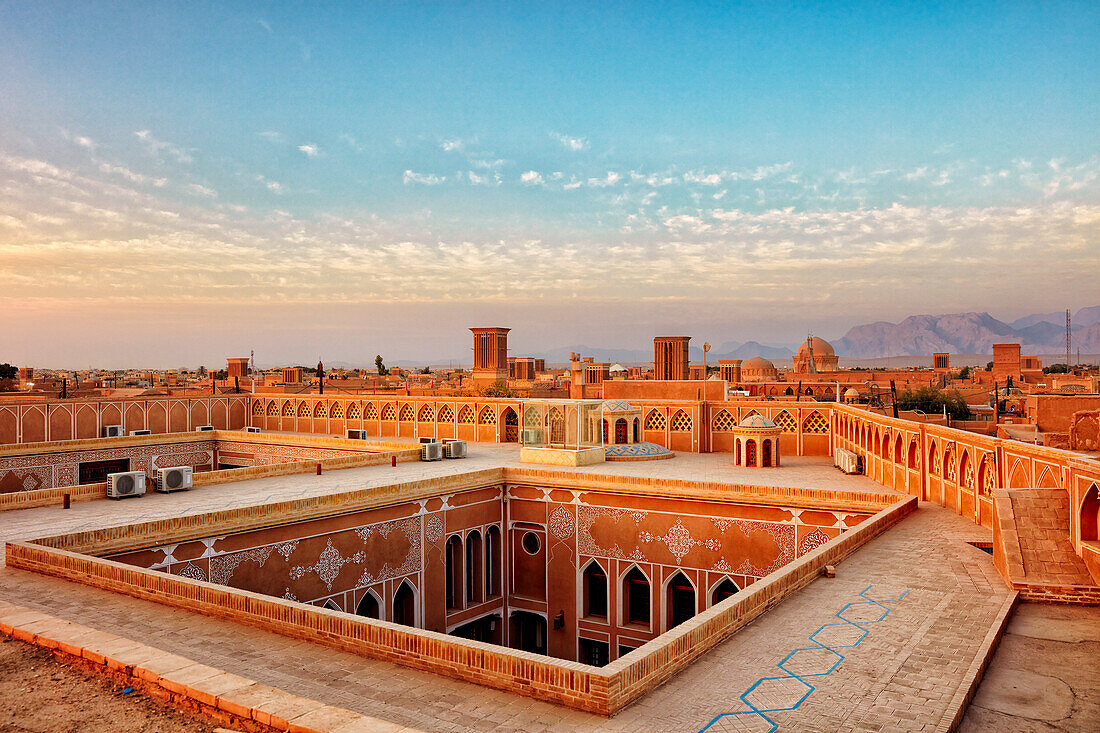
(41, 694)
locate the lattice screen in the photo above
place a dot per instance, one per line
(655, 420)
(722, 423)
(815, 424)
(786, 422)
(446, 414)
(389, 412)
(681, 422)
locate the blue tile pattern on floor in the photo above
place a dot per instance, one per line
(635, 449)
(780, 693)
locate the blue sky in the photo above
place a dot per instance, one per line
(378, 176)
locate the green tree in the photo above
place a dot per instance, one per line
(381, 365)
(964, 373)
(989, 366)
(497, 389)
(425, 370)
(7, 371)
(932, 400)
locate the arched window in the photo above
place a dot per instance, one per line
(789, 391)
(969, 476)
(492, 561)
(933, 460)
(750, 453)
(355, 412)
(987, 474)
(272, 410)
(371, 412)
(655, 420)
(406, 414)
(604, 427)
(621, 431)
(884, 446)
(950, 470)
(321, 410)
(257, 408)
(722, 591)
(681, 422)
(453, 572)
(511, 425)
(389, 413)
(288, 409)
(785, 422)
(815, 423)
(723, 422)
(337, 411)
(637, 430)
(303, 410)
(369, 606)
(679, 600)
(425, 414)
(466, 415)
(594, 586)
(636, 602)
(737, 452)
(404, 605)
(557, 425)
(1090, 515)
(474, 565)
(488, 416)
(766, 453)
(331, 605)
(445, 414)
(898, 454)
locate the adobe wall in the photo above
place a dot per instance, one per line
(1054, 413)
(648, 390)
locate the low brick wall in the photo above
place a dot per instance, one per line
(603, 691)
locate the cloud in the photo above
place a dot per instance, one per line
(84, 142)
(157, 147)
(310, 149)
(575, 144)
(351, 141)
(129, 175)
(609, 180)
(273, 186)
(427, 179)
(452, 145)
(531, 178)
(707, 179)
(476, 179)
(202, 190)
(573, 185)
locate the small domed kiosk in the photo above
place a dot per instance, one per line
(622, 431)
(756, 443)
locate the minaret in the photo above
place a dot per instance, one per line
(811, 365)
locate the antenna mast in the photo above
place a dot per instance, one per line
(1067, 339)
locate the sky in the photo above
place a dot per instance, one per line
(181, 182)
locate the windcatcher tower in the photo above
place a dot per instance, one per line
(490, 354)
(670, 357)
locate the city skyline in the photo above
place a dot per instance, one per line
(213, 179)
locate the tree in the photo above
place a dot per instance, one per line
(931, 400)
(497, 389)
(989, 366)
(382, 370)
(964, 373)
(425, 370)
(7, 371)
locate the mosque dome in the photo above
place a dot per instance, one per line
(821, 348)
(757, 422)
(616, 368)
(757, 363)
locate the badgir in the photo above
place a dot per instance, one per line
(738, 546)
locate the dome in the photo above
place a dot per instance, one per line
(851, 393)
(617, 406)
(757, 421)
(617, 368)
(757, 363)
(821, 348)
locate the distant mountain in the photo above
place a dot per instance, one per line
(1082, 318)
(754, 348)
(967, 333)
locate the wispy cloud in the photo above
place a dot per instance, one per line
(271, 136)
(129, 175)
(157, 147)
(310, 149)
(609, 180)
(201, 190)
(273, 186)
(427, 179)
(452, 145)
(265, 25)
(531, 178)
(575, 144)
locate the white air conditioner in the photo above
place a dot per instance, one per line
(431, 452)
(129, 483)
(141, 432)
(113, 431)
(530, 436)
(355, 434)
(454, 449)
(251, 429)
(846, 461)
(177, 478)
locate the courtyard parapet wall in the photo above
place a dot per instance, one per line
(598, 690)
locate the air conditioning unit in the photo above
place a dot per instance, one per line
(530, 436)
(141, 432)
(251, 429)
(355, 434)
(846, 461)
(431, 452)
(174, 479)
(129, 483)
(454, 449)
(113, 431)
(428, 440)
(204, 428)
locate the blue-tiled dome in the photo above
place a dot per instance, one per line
(757, 421)
(636, 451)
(617, 406)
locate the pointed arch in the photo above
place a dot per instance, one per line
(487, 416)
(899, 455)
(425, 414)
(1047, 479)
(594, 590)
(304, 410)
(933, 459)
(655, 420)
(815, 424)
(331, 605)
(722, 589)
(389, 412)
(474, 567)
(370, 605)
(1090, 515)
(723, 422)
(370, 412)
(636, 606)
(406, 414)
(786, 422)
(288, 409)
(681, 422)
(681, 600)
(445, 414)
(466, 415)
(355, 411)
(1017, 478)
(405, 605)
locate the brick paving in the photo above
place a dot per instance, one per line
(905, 674)
(1042, 516)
